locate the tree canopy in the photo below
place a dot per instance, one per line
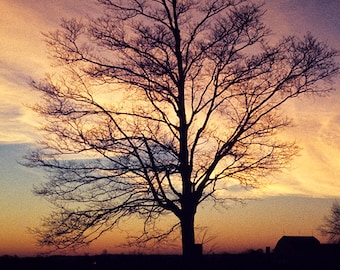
(160, 105)
(331, 227)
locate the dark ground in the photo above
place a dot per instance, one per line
(165, 262)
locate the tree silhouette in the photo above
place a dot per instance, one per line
(331, 227)
(159, 107)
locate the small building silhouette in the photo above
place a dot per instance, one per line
(297, 247)
(306, 251)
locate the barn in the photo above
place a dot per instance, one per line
(289, 247)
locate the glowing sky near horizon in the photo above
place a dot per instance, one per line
(294, 202)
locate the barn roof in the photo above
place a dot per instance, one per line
(297, 242)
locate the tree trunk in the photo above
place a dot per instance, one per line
(188, 233)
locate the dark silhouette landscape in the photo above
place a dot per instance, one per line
(252, 260)
(291, 252)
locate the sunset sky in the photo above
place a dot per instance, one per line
(293, 204)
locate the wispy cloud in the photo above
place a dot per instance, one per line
(23, 55)
(15, 125)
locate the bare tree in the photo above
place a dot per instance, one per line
(331, 227)
(162, 104)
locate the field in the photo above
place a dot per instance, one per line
(162, 262)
